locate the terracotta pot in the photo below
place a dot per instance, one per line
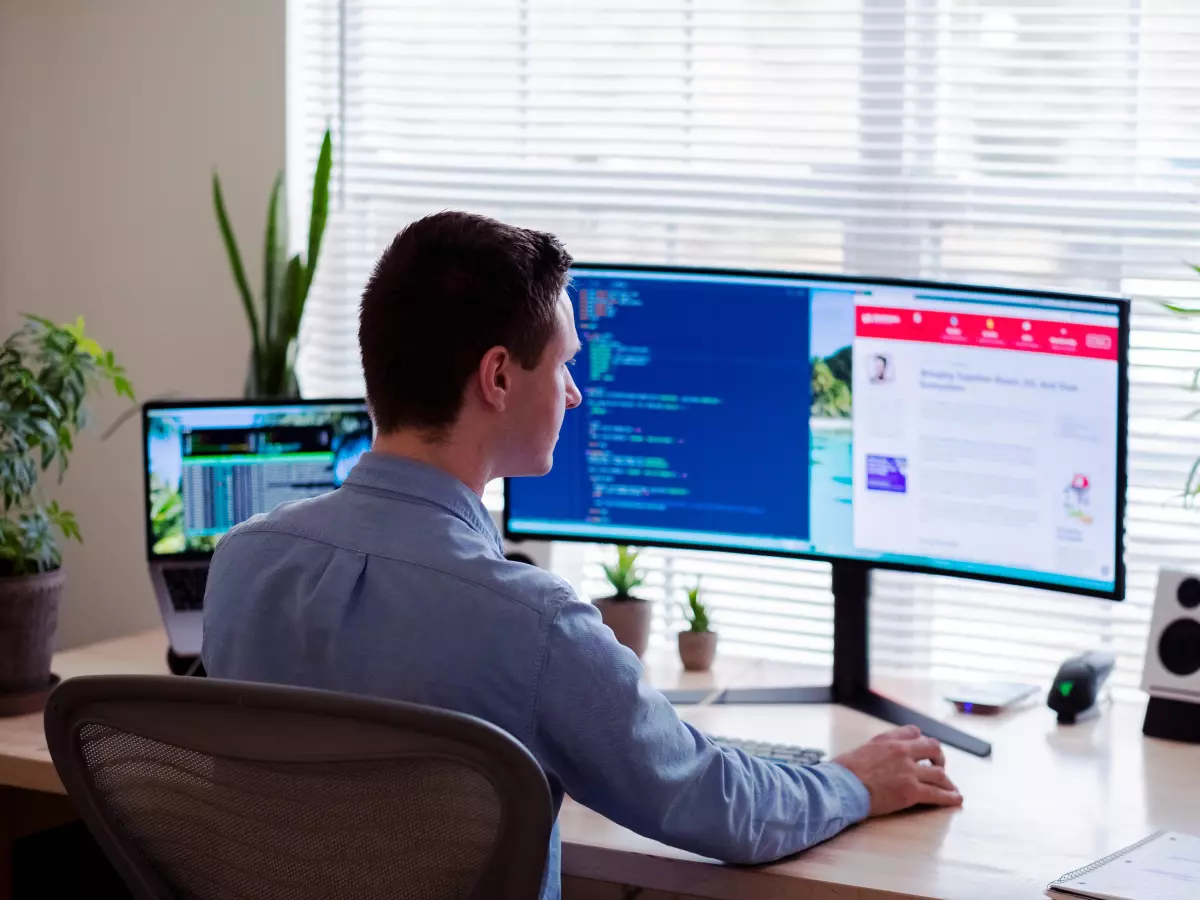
(28, 619)
(629, 619)
(697, 649)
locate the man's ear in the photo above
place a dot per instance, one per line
(494, 378)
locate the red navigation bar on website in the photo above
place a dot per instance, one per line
(998, 332)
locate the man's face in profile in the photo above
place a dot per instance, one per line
(541, 397)
(880, 368)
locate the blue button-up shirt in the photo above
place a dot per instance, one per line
(396, 586)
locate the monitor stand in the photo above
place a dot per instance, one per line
(851, 669)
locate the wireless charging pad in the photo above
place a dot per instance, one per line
(988, 697)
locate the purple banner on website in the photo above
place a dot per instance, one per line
(886, 473)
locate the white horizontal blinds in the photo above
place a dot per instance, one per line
(327, 364)
(1053, 144)
(677, 131)
(1164, 441)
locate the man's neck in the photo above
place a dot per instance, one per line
(451, 454)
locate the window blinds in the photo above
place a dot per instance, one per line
(1052, 144)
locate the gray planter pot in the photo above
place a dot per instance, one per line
(28, 619)
(629, 620)
(697, 649)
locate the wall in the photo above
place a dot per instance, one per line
(112, 115)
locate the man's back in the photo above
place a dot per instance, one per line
(396, 586)
(379, 593)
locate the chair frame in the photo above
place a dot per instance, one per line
(274, 723)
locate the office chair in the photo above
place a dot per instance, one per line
(200, 789)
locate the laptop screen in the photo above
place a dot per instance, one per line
(210, 466)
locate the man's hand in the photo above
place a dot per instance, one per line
(892, 766)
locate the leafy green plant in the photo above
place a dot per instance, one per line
(1185, 310)
(624, 576)
(46, 371)
(696, 612)
(275, 320)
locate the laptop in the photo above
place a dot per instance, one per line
(210, 465)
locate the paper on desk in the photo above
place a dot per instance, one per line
(1164, 866)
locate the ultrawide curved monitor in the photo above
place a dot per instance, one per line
(932, 427)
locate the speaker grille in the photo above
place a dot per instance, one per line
(1179, 647)
(1188, 593)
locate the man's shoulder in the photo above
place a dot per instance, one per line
(520, 582)
(524, 582)
(430, 546)
(287, 519)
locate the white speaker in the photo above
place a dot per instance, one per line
(536, 553)
(1171, 673)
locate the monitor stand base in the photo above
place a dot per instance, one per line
(868, 703)
(851, 671)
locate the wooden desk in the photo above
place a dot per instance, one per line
(1048, 799)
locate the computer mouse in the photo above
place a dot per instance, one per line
(1078, 684)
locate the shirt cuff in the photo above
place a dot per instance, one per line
(856, 802)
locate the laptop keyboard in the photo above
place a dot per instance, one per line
(185, 586)
(780, 753)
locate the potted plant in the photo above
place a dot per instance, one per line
(275, 321)
(697, 645)
(46, 371)
(628, 616)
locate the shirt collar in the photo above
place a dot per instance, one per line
(420, 481)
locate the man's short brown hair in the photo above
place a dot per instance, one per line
(449, 288)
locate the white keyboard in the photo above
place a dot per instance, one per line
(780, 753)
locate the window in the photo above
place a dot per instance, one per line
(1054, 144)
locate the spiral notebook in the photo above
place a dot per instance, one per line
(1164, 866)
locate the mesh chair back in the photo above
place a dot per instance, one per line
(199, 789)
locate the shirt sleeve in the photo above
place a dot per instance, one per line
(618, 747)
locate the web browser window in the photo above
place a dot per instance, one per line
(986, 432)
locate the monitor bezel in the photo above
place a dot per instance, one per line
(1122, 304)
(193, 556)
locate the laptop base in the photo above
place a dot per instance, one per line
(185, 665)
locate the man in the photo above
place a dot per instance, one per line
(396, 585)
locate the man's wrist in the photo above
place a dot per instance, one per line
(853, 794)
